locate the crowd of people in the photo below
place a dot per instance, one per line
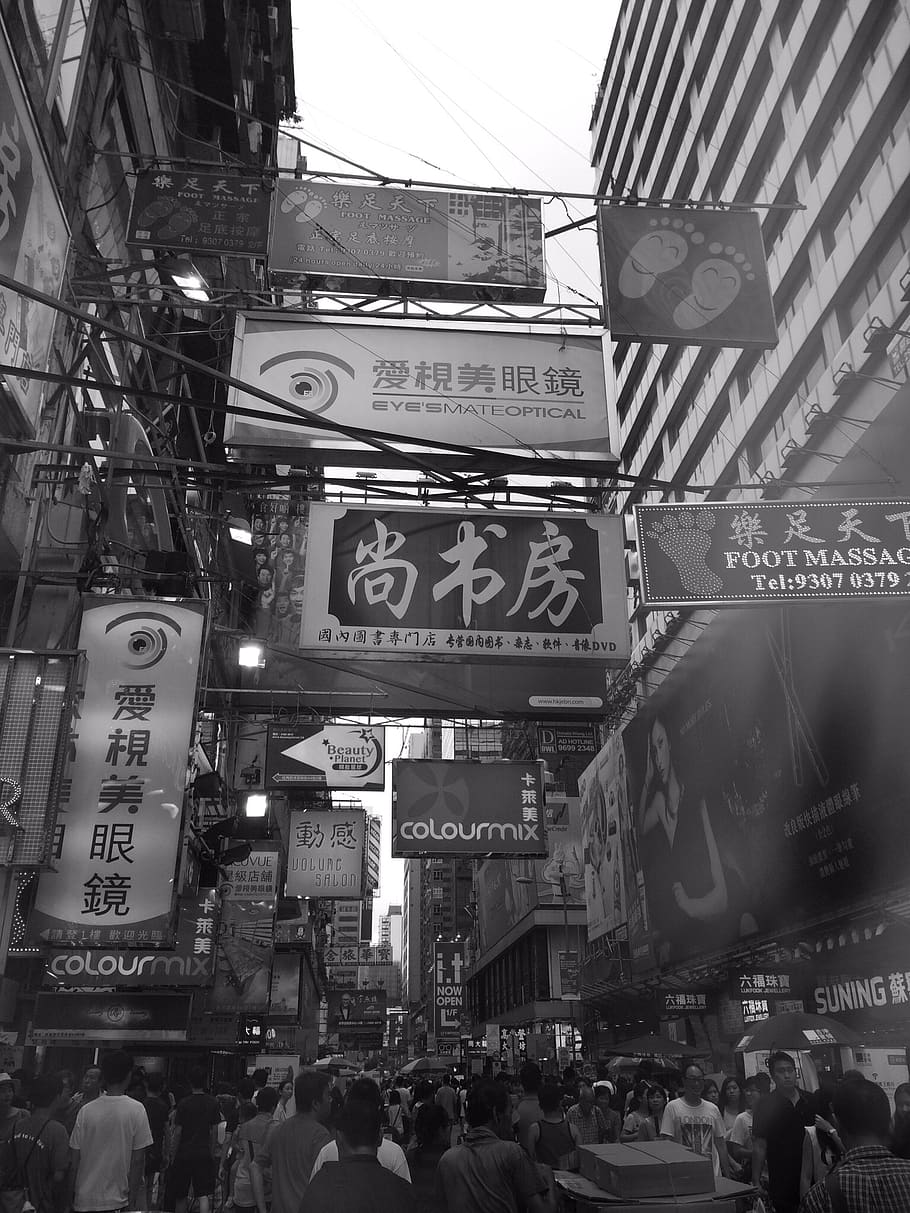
(124, 1141)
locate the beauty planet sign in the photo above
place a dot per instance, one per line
(467, 808)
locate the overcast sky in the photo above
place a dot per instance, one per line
(483, 93)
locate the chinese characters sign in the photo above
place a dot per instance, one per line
(448, 996)
(494, 390)
(729, 554)
(685, 1002)
(460, 246)
(33, 240)
(325, 756)
(118, 830)
(191, 963)
(325, 853)
(200, 213)
(254, 879)
(467, 808)
(473, 585)
(356, 1018)
(762, 984)
(686, 277)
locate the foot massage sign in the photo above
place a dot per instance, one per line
(686, 276)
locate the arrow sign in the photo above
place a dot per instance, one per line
(326, 756)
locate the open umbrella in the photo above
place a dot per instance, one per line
(422, 1065)
(657, 1046)
(796, 1030)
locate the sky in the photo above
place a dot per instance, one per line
(482, 93)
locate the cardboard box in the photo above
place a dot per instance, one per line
(588, 1198)
(644, 1169)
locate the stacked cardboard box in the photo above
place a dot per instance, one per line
(650, 1177)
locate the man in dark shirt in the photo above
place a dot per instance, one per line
(869, 1176)
(41, 1148)
(358, 1183)
(196, 1146)
(486, 1174)
(778, 1129)
(157, 1109)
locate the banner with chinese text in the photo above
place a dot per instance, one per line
(456, 245)
(119, 828)
(469, 584)
(506, 390)
(356, 1018)
(200, 213)
(689, 277)
(443, 807)
(325, 853)
(246, 935)
(191, 962)
(735, 553)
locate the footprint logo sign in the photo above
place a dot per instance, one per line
(686, 276)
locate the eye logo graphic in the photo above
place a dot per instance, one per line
(447, 794)
(314, 383)
(147, 644)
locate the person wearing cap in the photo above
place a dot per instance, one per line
(12, 1194)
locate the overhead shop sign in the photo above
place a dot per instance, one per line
(325, 853)
(190, 963)
(467, 584)
(747, 553)
(34, 240)
(448, 990)
(467, 808)
(254, 879)
(496, 390)
(112, 884)
(113, 1017)
(686, 277)
(325, 756)
(200, 213)
(438, 244)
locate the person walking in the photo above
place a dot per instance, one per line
(158, 1109)
(869, 1179)
(248, 1140)
(12, 1193)
(779, 1126)
(289, 1150)
(432, 1141)
(195, 1146)
(357, 1182)
(41, 1148)
(108, 1143)
(695, 1123)
(552, 1140)
(486, 1174)
(527, 1111)
(739, 1138)
(447, 1099)
(587, 1118)
(390, 1155)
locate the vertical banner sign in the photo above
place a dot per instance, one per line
(448, 997)
(119, 829)
(247, 934)
(33, 239)
(686, 277)
(325, 853)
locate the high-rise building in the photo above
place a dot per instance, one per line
(390, 931)
(799, 110)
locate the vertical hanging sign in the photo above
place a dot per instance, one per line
(119, 826)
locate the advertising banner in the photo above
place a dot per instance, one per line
(459, 246)
(34, 240)
(119, 833)
(340, 756)
(112, 1017)
(686, 277)
(530, 586)
(491, 389)
(556, 738)
(284, 991)
(568, 975)
(356, 1018)
(200, 213)
(191, 962)
(467, 808)
(733, 554)
(448, 995)
(325, 853)
(769, 790)
(254, 879)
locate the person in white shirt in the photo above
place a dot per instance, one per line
(108, 1143)
(390, 1155)
(693, 1122)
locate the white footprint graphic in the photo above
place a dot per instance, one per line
(716, 282)
(307, 205)
(661, 249)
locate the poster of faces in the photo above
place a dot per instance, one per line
(279, 536)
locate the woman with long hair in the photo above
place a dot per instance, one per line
(637, 1112)
(655, 1101)
(711, 1092)
(732, 1101)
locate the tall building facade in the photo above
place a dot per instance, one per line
(800, 108)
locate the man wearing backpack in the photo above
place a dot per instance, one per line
(12, 1193)
(41, 1148)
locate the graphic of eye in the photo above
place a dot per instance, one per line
(314, 381)
(146, 643)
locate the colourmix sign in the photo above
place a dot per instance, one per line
(467, 808)
(494, 390)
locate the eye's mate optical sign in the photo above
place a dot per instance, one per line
(747, 553)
